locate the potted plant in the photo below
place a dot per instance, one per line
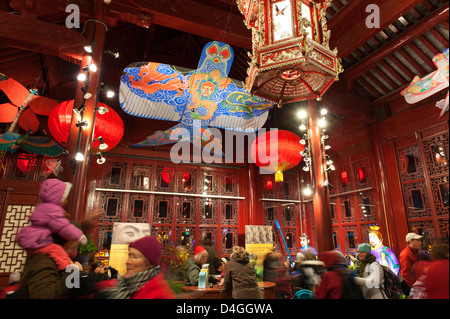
(85, 252)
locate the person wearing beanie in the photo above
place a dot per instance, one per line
(371, 276)
(194, 266)
(143, 278)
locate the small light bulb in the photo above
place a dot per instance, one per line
(81, 77)
(110, 94)
(79, 157)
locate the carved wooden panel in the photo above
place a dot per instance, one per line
(336, 238)
(12, 256)
(229, 238)
(416, 199)
(229, 183)
(115, 175)
(163, 209)
(347, 209)
(207, 233)
(351, 241)
(270, 212)
(410, 163)
(345, 178)
(186, 210)
(209, 182)
(269, 186)
(104, 235)
(366, 207)
(165, 179)
(440, 195)
(187, 180)
(288, 213)
(290, 234)
(436, 154)
(185, 236)
(112, 203)
(229, 215)
(208, 211)
(138, 208)
(141, 177)
(363, 174)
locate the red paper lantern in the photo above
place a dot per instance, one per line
(344, 178)
(108, 125)
(277, 151)
(27, 162)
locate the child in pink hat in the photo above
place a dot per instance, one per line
(48, 218)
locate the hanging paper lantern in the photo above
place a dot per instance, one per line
(277, 151)
(28, 162)
(344, 178)
(108, 125)
(167, 175)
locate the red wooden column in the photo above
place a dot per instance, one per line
(321, 199)
(80, 139)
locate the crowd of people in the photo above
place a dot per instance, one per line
(51, 243)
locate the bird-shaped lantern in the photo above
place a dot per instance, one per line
(291, 59)
(421, 88)
(197, 98)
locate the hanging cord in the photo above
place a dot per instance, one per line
(228, 20)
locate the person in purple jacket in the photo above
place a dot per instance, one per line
(49, 218)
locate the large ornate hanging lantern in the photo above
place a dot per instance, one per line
(291, 59)
(277, 151)
(108, 126)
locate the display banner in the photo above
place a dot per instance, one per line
(122, 235)
(258, 242)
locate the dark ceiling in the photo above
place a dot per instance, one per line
(378, 62)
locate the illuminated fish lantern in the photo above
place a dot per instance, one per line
(197, 99)
(421, 88)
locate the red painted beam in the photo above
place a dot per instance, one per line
(350, 30)
(39, 36)
(368, 63)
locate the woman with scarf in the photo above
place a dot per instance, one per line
(143, 279)
(371, 278)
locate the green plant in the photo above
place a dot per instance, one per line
(90, 247)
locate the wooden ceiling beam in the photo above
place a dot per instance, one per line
(347, 34)
(393, 72)
(192, 17)
(40, 36)
(395, 44)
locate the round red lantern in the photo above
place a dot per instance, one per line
(277, 151)
(108, 126)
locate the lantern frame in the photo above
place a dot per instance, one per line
(295, 68)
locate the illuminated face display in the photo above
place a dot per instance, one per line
(374, 240)
(304, 241)
(282, 20)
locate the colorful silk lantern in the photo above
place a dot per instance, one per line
(277, 151)
(108, 125)
(291, 58)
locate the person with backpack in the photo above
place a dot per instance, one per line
(371, 274)
(337, 282)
